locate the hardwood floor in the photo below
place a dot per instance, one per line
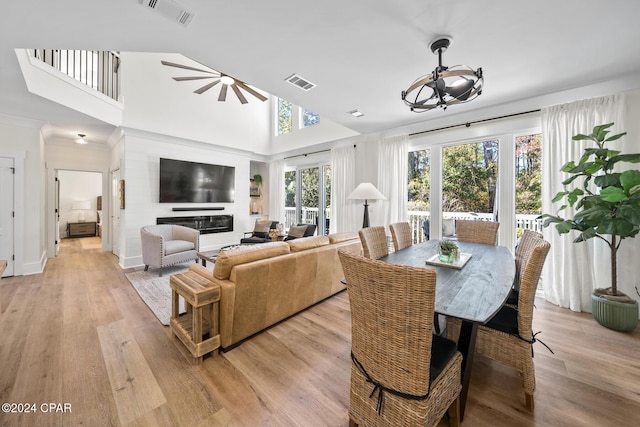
(79, 334)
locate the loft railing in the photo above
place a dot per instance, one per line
(98, 70)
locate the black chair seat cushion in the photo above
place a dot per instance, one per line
(253, 240)
(513, 297)
(505, 320)
(442, 350)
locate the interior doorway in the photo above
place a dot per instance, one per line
(79, 204)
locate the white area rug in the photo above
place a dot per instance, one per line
(155, 291)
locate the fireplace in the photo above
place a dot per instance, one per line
(207, 224)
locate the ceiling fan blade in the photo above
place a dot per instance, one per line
(185, 67)
(461, 91)
(206, 87)
(182, 79)
(223, 93)
(258, 95)
(238, 93)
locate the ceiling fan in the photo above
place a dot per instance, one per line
(444, 86)
(225, 80)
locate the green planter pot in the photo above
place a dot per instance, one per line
(614, 315)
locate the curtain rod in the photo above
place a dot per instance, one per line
(313, 152)
(307, 154)
(467, 124)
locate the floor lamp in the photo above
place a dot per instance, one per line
(366, 191)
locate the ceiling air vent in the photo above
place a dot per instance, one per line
(301, 82)
(169, 9)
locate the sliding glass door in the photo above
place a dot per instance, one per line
(307, 197)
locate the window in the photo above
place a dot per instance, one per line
(289, 117)
(419, 188)
(469, 179)
(309, 118)
(307, 197)
(285, 123)
(528, 182)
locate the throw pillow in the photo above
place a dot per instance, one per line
(261, 229)
(297, 231)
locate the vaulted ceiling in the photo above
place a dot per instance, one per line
(360, 54)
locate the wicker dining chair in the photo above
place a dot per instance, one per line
(485, 232)
(401, 235)
(508, 337)
(401, 374)
(523, 248)
(374, 242)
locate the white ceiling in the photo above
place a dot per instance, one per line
(360, 53)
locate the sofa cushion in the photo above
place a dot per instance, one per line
(342, 237)
(175, 246)
(297, 232)
(228, 259)
(305, 243)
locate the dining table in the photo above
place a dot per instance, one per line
(473, 292)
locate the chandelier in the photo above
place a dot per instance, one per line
(445, 85)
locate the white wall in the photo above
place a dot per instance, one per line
(21, 141)
(76, 185)
(156, 103)
(142, 152)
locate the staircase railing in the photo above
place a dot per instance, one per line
(98, 70)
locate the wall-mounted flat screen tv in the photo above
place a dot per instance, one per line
(191, 182)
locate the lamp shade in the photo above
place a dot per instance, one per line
(81, 205)
(366, 191)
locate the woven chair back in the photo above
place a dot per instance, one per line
(401, 235)
(392, 310)
(533, 252)
(374, 242)
(485, 232)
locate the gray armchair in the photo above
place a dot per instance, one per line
(168, 244)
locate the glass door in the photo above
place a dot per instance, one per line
(469, 183)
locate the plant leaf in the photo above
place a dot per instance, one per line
(607, 180)
(629, 179)
(630, 213)
(614, 137)
(613, 194)
(564, 226)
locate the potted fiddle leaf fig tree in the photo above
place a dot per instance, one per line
(607, 207)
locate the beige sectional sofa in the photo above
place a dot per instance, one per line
(263, 284)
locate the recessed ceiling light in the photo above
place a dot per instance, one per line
(81, 140)
(356, 113)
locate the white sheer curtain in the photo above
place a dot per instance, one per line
(573, 270)
(276, 190)
(343, 181)
(393, 166)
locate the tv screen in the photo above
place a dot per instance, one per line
(191, 182)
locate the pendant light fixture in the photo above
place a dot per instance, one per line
(445, 85)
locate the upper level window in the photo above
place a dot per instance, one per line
(289, 117)
(285, 123)
(309, 118)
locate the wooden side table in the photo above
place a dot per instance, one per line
(200, 294)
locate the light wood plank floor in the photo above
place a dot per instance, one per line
(79, 334)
